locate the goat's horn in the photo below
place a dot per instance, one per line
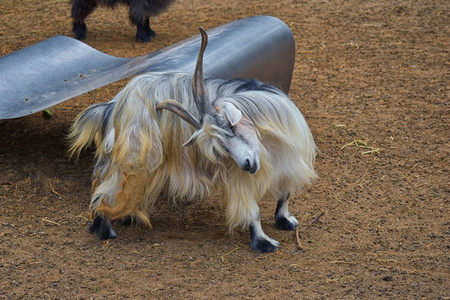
(179, 110)
(200, 94)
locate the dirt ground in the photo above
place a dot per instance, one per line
(372, 73)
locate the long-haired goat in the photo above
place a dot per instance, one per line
(140, 12)
(248, 142)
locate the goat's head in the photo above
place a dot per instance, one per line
(222, 130)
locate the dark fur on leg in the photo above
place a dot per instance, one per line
(80, 31)
(80, 10)
(128, 221)
(144, 32)
(131, 221)
(285, 224)
(102, 227)
(148, 29)
(260, 244)
(283, 219)
(139, 13)
(141, 34)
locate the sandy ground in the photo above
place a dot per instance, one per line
(372, 73)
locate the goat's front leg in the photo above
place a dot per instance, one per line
(283, 219)
(259, 240)
(103, 192)
(144, 32)
(243, 209)
(141, 33)
(102, 227)
(80, 10)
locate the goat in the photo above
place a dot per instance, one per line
(140, 12)
(250, 141)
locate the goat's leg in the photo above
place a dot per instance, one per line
(103, 192)
(150, 32)
(143, 31)
(102, 227)
(80, 10)
(141, 34)
(127, 221)
(259, 240)
(283, 219)
(243, 209)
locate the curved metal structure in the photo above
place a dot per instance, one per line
(61, 68)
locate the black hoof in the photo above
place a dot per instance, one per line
(127, 221)
(264, 246)
(261, 242)
(79, 30)
(150, 33)
(102, 227)
(286, 223)
(146, 28)
(140, 37)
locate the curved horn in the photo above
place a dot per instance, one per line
(200, 95)
(179, 110)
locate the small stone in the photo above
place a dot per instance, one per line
(387, 278)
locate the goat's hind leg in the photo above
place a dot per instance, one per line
(283, 219)
(150, 32)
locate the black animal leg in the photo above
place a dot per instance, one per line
(80, 10)
(80, 30)
(141, 34)
(259, 240)
(148, 29)
(283, 219)
(102, 227)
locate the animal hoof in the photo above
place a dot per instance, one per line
(102, 227)
(127, 221)
(141, 37)
(80, 31)
(265, 245)
(289, 223)
(151, 33)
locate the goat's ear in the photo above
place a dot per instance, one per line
(179, 110)
(233, 114)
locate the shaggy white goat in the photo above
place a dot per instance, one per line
(250, 141)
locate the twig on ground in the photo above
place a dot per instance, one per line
(298, 230)
(50, 221)
(195, 262)
(52, 189)
(106, 245)
(362, 145)
(222, 257)
(343, 262)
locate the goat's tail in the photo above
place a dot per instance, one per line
(128, 149)
(88, 126)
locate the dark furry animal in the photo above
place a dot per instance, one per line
(140, 13)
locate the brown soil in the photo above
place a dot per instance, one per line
(376, 71)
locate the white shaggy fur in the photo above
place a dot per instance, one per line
(140, 155)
